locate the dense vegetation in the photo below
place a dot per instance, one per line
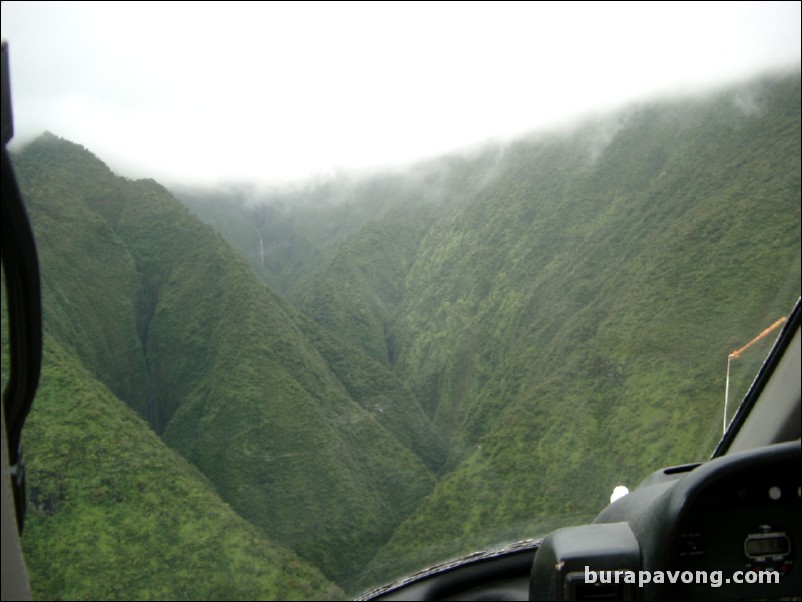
(115, 514)
(315, 457)
(475, 350)
(567, 293)
(567, 341)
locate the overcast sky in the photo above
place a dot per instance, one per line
(274, 92)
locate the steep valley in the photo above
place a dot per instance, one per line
(347, 380)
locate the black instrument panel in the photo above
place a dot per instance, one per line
(717, 525)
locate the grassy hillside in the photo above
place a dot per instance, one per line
(221, 367)
(90, 282)
(357, 293)
(571, 327)
(473, 351)
(565, 311)
(115, 514)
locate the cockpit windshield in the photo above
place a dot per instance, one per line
(335, 292)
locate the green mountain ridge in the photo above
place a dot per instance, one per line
(474, 351)
(569, 292)
(223, 371)
(114, 514)
(569, 342)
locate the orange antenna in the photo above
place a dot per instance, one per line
(735, 355)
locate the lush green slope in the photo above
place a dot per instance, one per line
(340, 250)
(357, 293)
(571, 327)
(380, 393)
(221, 367)
(554, 314)
(89, 277)
(565, 315)
(115, 514)
(564, 310)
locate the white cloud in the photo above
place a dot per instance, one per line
(278, 91)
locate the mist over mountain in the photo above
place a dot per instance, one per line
(569, 292)
(369, 374)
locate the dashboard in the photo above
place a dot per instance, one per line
(699, 532)
(703, 526)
